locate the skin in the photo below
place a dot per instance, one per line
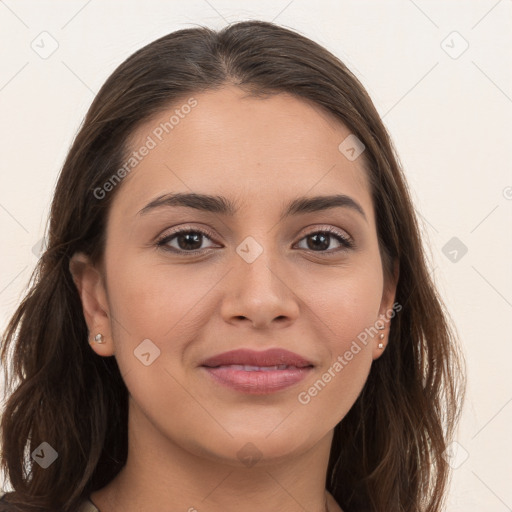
(185, 430)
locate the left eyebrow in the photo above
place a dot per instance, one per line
(222, 205)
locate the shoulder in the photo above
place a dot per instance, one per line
(85, 506)
(332, 504)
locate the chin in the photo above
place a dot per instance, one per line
(249, 447)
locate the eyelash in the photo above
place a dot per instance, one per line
(162, 242)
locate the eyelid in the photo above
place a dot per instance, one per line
(327, 228)
(347, 241)
(184, 229)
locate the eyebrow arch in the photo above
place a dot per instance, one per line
(222, 205)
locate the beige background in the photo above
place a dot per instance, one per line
(447, 107)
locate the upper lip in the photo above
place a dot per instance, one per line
(270, 357)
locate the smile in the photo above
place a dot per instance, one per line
(257, 380)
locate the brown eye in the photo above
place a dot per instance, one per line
(321, 241)
(185, 240)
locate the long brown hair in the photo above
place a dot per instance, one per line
(387, 453)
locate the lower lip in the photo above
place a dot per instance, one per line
(257, 382)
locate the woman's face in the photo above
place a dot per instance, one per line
(263, 276)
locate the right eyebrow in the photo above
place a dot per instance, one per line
(207, 203)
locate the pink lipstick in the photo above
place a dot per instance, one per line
(257, 372)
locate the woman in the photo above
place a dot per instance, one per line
(234, 310)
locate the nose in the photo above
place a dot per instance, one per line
(259, 294)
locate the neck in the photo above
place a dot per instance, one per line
(159, 472)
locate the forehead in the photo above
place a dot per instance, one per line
(244, 147)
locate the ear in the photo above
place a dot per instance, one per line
(387, 310)
(91, 288)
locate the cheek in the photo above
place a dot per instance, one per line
(148, 303)
(348, 307)
(335, 389)
(331, 393)
(347, 302)
(151, 301)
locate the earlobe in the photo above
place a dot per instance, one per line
(383, 332)
(91, 289)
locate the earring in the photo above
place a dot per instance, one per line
(99, 338)
(381, 336)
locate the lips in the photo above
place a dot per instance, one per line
(254, 372)
(251, 358)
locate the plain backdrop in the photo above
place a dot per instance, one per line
(440, 76)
